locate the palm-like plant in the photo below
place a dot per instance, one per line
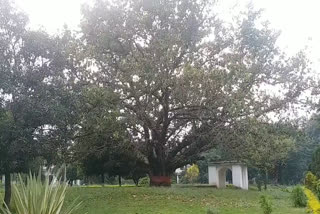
(39, 197)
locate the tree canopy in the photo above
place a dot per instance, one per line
(36, 107)
(183, 75)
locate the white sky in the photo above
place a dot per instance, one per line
(298, 20)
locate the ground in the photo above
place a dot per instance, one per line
(195, 200)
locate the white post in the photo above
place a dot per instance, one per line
(221, 177)
(245, 178)
(213, 175)
(237, 176)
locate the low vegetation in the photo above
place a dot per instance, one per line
(147, 200)
(266, 204)
(298, 197)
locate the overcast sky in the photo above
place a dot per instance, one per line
(298, 20)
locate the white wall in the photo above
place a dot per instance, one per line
(245, 181)
(237, 176)
(212, 175)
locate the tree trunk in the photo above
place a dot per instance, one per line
(136, 181)
(102, 178)
(276, 176)
(119, 178)
(159, 173)
(279, 175)
(7, 188)
(266, 180)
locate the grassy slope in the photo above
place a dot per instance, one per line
(132, 200)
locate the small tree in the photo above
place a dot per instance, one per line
(310, 181)
(298, 197)
(138, 170)
(264, 146)
(315, 163)
(265, 204)
(192, 173)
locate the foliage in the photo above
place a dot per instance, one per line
(189, 87)
(102, 144)
(310, 181)
(259, 184)
(137, 172)
(39, 197)
(264, 146)
(73, 172)
(313, 202)
(37, 106)
(192, 173)
(315, 162)
(298, 197)
(292, 171)
(265, 204)
(317, 188)
(144, 182)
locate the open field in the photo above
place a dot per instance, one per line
(144, 200)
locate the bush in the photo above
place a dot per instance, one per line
(265, 204)
(39, 197)
(298, 197)
(192, 173)
(259, 184)
(310, 181)
(317, 188)
(144, 182)
(313, 202)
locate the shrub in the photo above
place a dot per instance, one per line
(259, 184)
(144, 182)
(192, 173)
(313, 202)
(39, 197)
(310, 181)
(317, 188)
(265, 204)
(298, 197)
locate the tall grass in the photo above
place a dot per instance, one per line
(39, 197)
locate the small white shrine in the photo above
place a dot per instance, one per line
(217, 172)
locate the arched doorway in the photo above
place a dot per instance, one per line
(225, 176)
(229, 176)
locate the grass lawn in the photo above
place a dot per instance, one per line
(141, 200)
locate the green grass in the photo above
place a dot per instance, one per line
(145, 200)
